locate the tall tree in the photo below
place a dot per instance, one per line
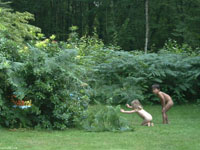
(147, 25)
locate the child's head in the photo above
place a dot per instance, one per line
(156, 88)
(136, 104)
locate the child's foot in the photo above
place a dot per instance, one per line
(152, 124)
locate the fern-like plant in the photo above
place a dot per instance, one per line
(106, 119)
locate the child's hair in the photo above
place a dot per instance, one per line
(136, 104)
(156, 86)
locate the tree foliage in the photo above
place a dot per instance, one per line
(120, 22)
(15, 26)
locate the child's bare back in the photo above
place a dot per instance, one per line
(167, 99)
(145, 115)
(136, 106)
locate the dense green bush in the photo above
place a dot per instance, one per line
(52, 83)
(124, 77)
(116, 76)
(106, 119)
(44, 71)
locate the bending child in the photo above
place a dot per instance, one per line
(137, 107)
(166, 102)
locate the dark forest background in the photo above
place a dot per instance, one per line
(118, 22)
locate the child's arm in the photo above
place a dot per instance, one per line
(127, 112)
(127, 105)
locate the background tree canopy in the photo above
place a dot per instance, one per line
(119, 22)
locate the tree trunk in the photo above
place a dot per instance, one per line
(147, 25)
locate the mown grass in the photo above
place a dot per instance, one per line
(183, 133)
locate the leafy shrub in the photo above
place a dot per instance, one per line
(118, 77)
(171, 46)
(54, 85)
(123, 77)
(106, 119)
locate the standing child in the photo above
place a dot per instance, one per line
(137, 107)
(166, 102)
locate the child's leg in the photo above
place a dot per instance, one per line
(167, 121)
(146, 123)
(164, 117)
(167, 107)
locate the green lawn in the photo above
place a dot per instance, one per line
(183, 133)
